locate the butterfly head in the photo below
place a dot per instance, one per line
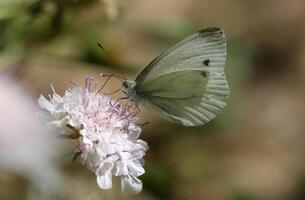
(130, 88)
(129, 85)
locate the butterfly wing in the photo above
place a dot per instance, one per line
(187, 83)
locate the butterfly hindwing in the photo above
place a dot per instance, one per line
(186, 99)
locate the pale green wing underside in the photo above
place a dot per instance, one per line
(187, 84)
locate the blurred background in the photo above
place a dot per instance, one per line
(254, 149)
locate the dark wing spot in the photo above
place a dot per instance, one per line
(204, 74)
(207, 62)
(211, 30)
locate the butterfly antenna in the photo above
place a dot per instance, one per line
(104, 50)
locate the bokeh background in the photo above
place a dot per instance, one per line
(254, 149)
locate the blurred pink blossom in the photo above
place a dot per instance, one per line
(26, 146)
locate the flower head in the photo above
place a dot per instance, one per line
(108, 134)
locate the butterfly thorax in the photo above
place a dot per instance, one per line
(130, 88)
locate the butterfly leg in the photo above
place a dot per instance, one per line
(137, 111)
(122, 98)
(109, 76)
(126, 108)
(132, 115)
(118, 90)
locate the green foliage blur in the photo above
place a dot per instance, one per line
(254, 149)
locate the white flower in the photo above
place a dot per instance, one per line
(108, 142)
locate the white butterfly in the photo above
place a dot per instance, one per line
(187, 83)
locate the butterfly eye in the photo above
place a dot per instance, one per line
(124, 84)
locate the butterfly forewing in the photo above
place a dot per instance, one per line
(187, 84)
